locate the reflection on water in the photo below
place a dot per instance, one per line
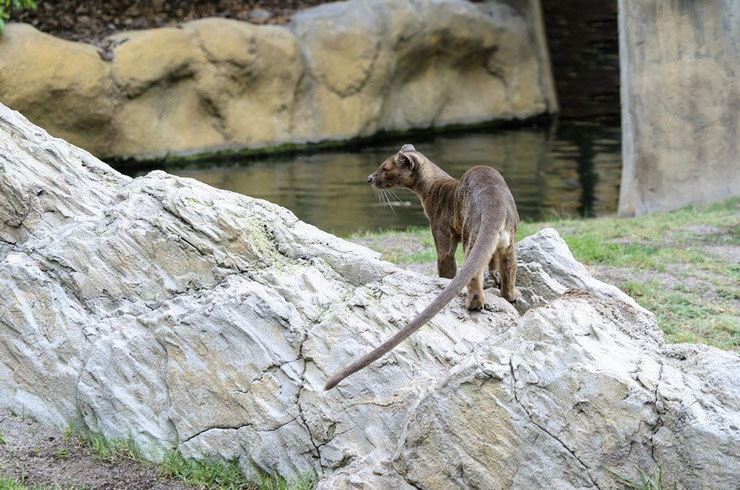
(569, 169)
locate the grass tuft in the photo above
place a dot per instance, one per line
(62, 453)
(112, 450)
(655, 480)
(7, 483)
(210, 474)
(227, 475)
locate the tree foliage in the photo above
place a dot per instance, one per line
(7, 7)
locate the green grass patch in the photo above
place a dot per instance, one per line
(418, 257)
(686, 316)
(8, 483)
(590, 249)
(203, 474)
(687, 224)
(227, 475)
(112, 450)
(673, 260)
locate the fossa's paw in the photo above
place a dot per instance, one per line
(475, 301)
(511, 297)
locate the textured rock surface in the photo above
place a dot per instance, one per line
(338, 71)
(680, 103)
(207, 321)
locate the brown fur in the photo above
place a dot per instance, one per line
(478, 210)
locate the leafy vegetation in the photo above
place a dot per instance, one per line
(681, 265)
(7, 7)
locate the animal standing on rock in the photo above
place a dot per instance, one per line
(479, 209)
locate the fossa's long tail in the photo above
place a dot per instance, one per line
(478, 258)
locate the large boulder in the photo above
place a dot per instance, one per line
(62, 85)
(340, 70)
(208, 322)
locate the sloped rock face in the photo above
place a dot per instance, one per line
(207, 322)
(338, 71)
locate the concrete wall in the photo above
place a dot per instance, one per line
(680, 63)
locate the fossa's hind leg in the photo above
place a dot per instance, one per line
(508, 274)
(494, 268)
(476, 297)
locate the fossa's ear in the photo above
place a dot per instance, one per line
(408, 157)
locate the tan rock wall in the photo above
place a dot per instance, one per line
(338, 71)
(680, 103)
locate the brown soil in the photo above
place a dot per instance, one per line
(39, 456)
(92, 21)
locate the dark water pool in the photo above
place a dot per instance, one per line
(569, 169)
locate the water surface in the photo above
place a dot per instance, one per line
(568, 169)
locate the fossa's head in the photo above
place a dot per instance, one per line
(399, 170)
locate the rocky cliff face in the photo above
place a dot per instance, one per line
(338, 71)
(205, 321)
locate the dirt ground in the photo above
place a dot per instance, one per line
(38, 456)
(92, 20)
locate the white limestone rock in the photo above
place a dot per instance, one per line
(208, 322)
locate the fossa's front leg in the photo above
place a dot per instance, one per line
(446, 245)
